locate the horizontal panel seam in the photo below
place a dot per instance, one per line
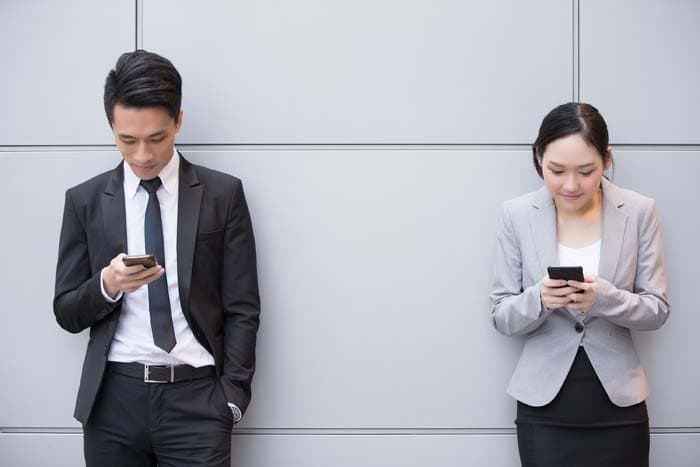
(341, 147)
(345, 431)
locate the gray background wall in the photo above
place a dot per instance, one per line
(376, 141)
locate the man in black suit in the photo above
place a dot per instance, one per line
(171, 355)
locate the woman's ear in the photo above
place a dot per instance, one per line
(608, 158)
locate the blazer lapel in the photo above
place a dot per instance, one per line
(613, 232)
(189, 204)
(543, 222)
(114, 214)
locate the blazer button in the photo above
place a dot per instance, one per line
(579, 327)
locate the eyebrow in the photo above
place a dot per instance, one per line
(158, 133)
(590, 164)
(154, 135)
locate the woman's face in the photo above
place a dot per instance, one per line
(572, 170)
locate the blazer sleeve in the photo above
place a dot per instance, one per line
(646, 307)
(241, 301)
(514, 310)
(78, 301)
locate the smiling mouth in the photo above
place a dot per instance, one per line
(570, 197)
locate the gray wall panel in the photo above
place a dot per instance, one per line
(54, 59)
(360, 450)
(668, 354)
(367, 286)
(46, 361)
(363, 71)
(675, 450)
(375, 346)
(348, 450)
(41, 450)
(374, 269)
(639, 65)
(372, 298)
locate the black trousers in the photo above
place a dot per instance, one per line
(137, 424)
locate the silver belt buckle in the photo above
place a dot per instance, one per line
(147, 374)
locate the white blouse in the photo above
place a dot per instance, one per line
(588, 257)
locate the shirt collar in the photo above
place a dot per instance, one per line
(168, 176)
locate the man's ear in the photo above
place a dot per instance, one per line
(178, 123)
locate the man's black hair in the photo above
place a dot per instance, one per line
(143, 79)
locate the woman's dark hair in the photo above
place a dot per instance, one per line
(572, 118)
(143, 79)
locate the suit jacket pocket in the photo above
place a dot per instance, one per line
(211, 235)
(208, 255)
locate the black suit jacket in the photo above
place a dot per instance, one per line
(216, 265)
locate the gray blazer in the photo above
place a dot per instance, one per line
(631, 295)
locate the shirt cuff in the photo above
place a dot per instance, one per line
(236, 412)
(104, 294)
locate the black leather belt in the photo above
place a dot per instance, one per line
(160, 373)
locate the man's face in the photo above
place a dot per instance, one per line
(145, 136)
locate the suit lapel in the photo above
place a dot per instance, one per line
(189, 204)
(543, 222)
(114, 226)
(114, 214)
(614, 222)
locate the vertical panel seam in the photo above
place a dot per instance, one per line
(578, 50)
(139, 24)
(576, 43)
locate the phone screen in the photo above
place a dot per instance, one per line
(567, 273)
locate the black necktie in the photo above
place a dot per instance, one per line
(158, 299)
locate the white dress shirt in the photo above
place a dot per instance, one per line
(133, 338)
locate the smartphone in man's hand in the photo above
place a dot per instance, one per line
(147, 261)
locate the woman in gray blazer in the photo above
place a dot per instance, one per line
(579, 383)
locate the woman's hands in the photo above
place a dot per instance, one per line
(573, 295)
(582, 301)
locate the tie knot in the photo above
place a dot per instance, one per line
(151, 185)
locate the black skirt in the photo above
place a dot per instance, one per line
(582, 427)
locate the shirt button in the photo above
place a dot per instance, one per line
(579, 327)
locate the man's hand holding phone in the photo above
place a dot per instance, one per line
(128, 273)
